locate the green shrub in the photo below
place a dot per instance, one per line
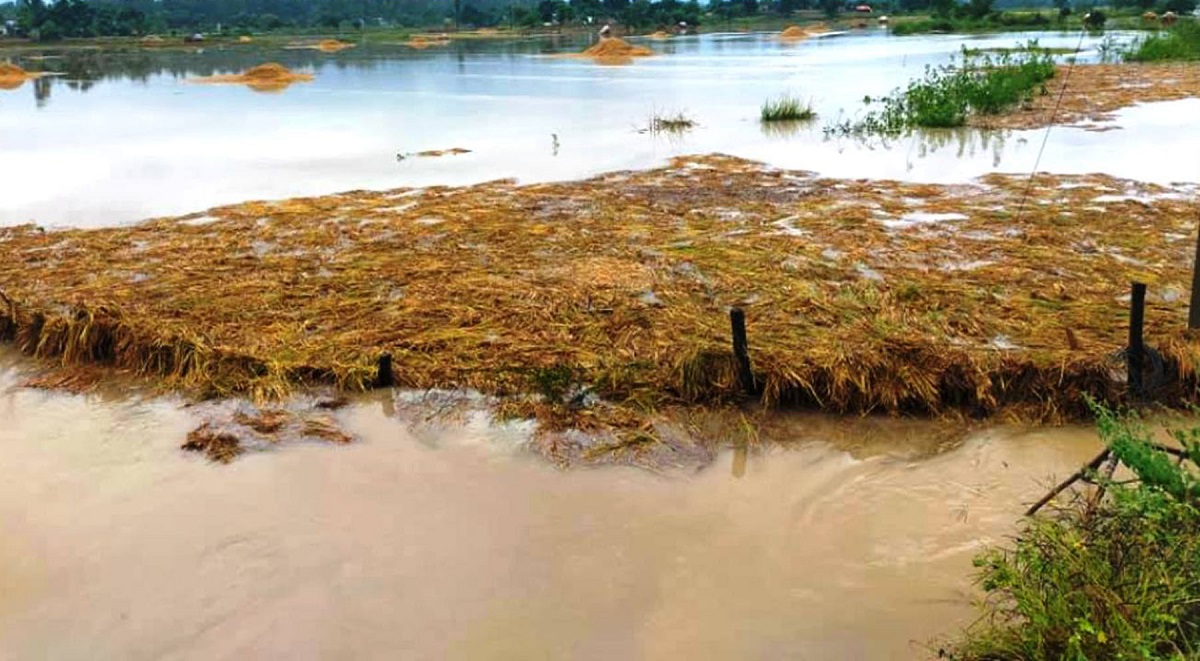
(1181, 42)
(1117, 580)
(947, 96)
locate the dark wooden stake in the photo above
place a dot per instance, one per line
(1136, 354)
(384, 378)
(741, 351)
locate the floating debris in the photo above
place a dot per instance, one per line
(224, 437)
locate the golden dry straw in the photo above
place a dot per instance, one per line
(616, 47)
(13, 76)
(269, 77)
(610, 296)
(1091, 93)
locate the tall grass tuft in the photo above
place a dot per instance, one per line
(1118, 579)
(787, 108)
(1181, 42)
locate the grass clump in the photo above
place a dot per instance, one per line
(1115, 579)
(947, 96)
(787, 108)
(1180, 43)
(676, 122)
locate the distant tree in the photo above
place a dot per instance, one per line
(943, 8)
(48, 30)
(831, 7)
(1180, 6)
(1095, 19)
(978, 8)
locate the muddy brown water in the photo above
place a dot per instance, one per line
(451, 542)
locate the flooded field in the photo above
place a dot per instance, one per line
(421, 538)
(123, 136)
(450, 542)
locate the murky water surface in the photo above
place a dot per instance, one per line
(121, 137)
(457, 545)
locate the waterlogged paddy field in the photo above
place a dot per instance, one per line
(122, 137)
(426, 540)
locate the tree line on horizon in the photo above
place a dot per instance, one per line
(48, 20)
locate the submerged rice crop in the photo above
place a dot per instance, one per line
(593, 304)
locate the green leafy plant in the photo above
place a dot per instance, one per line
(946, 96)
(1181, 42)
(1114, 579)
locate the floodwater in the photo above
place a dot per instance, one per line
(453, 543)
(122, 137)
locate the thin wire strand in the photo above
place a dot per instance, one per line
(1049, 126)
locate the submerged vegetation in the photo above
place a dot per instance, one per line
(1112, 576)
(787, 108)
(948, 96)
(673, 123)
(1181, 42)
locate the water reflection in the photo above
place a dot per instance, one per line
(125, 139)
(964, 143)
(79, 70)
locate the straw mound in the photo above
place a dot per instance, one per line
(244, 40)
(152, 40)
(332, 45)
(12, 71)
(425, 42)
(1094, 92)
(660, 35)
(617, 47)
(13, 76)
(264, 77)
(793, 32)
(859, 295)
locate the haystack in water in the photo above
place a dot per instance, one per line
(617, 47)
(793, 32)
(332, 45)
(269, 77)
(13, 76)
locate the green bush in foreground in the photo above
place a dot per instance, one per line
(786, 109)
(1181, 42)
(947, 96)
(1119, 582)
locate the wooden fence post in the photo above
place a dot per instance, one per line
(741, 351)
(384, 377)
(1136, 353)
